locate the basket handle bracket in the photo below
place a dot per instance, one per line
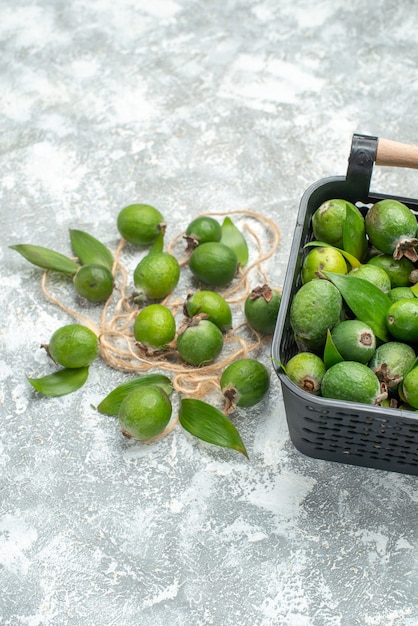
(360, 162)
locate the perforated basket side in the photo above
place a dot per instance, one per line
(351, 433)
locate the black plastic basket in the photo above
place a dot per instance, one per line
(353, 433)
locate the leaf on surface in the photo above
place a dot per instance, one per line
(90, 250)
(111, 403)
(208, 423)
(234, 239)
(62, 382)
(46, 258)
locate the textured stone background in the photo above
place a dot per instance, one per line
(190, 106)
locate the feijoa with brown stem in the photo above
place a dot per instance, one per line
(261, 308)
(199, 341)
(306, 370)
(244, 383)
(201, 230)
(392, 228)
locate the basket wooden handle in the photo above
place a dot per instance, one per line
(396, 154)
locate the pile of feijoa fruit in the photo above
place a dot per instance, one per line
(215, 253)
(355, 314)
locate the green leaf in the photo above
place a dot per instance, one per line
(62, 382)
(46, 258)
(209, 424)
(90, 250)
(354, 232)
(111, 403)
(368, 303)
(349, 257)
(233, 238)
(280, 364)
(331, 354)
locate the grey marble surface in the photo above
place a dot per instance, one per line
(192, 107)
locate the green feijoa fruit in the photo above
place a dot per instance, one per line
(155, 326)
(391, 228)
(392, 361)
(398, 270)
(211, 304)
(410, 388)
(400, 293)
(140, 224)
(201, 230)
(319, 259)
(315, 308)
(157, 275)
(328, 221)
(352, 382)
(200, 342)
(145, 413)
(354, 340)
(306, 370)
(244, 383)
(213, 263)
(261, 308)
(73, 346)
(94, 282)
(373, 274)
(402, 320)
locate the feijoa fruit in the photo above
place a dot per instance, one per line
(213, 263)
(211, 304)
(391, 362)
(391, 228)
(244, 383)
(374, 274)
(399, 271)
(353, 382)
(73, 345)
(155, 326)
(144, 413)
(328, 221)
(200, 342)
(410, 387)
(94, 282)
(261, 308)
(315, 308)
(398, 293)
(354, 340)
(319, 259)
(306, 370)
(140, 224)
(156, 275)
(402, 320)
(201, 230)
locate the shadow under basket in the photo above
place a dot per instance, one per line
(323, 428)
